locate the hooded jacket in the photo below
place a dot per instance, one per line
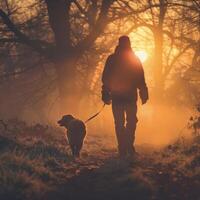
(123, 74)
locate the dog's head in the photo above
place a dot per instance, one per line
(65, 120)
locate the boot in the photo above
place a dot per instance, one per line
(121, 151)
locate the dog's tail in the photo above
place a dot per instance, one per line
(96, 114)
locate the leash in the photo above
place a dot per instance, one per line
(96, 114)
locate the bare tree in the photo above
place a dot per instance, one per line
(63, 33)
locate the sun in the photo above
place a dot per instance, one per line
(142, 55)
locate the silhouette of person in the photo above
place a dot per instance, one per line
(122, 77)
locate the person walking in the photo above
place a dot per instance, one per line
(122, 77)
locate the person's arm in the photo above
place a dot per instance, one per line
(143, 90)
(106, 97)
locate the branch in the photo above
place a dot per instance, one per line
(140, 10)
(163, 9)
(90, 17)
(176, 58)
(37, 45)
(98, 28)
(15, 73)
(9, 40)
(80, 8)
(191, 7)
(7, 75)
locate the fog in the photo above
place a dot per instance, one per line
(50, 68)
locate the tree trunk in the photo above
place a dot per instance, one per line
(65, 53)
(158, 62)
(158, 57)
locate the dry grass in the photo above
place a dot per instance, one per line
(35, 163)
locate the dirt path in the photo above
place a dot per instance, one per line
(42, 168)
(105, 177)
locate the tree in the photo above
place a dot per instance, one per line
(64, 52)
(62, 35)
(173, 33)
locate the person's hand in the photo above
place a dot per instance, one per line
(144, 95)
(106, 97)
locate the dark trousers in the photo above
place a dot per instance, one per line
(125, 125)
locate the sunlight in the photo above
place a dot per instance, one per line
(142, 55)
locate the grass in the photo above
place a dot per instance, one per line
(35, 164)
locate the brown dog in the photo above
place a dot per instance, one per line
(76, 132)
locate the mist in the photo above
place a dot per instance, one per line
(57, 63)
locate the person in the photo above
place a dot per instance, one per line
(122, 77)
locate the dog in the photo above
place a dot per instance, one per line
(76, 132)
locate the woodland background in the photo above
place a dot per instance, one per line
(52, 53)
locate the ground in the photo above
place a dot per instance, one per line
(35, 164)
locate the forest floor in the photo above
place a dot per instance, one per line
(35, 164)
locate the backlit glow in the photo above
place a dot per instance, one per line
(142, 55)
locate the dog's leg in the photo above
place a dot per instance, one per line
(78, 148)
(77, 151)
(73, 149)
